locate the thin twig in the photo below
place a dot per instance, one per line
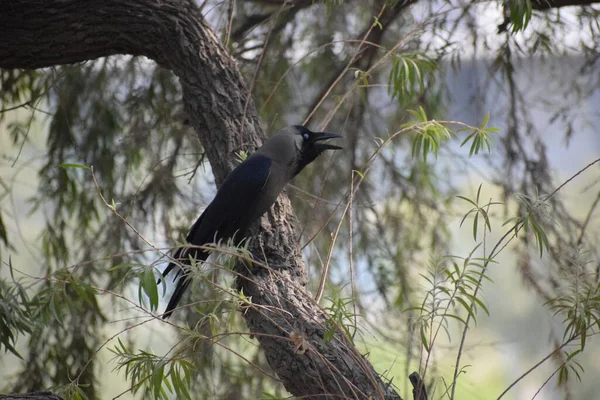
(255, 75)
(587, 219)
(350, 251)
(493, 254)
(573, 177)
(341, 75)
(543, 360)
(230, 8)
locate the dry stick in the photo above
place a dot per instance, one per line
(230, 7)
(587, 219)
(360, 180)
(151, 317)
(384, 58)
(549, 378)
(433, 336)
(327, 363)
(341, 75)
(350, 251)
(325, 271)
(493, 254)
(289, 69)
(362, 42)
(371, 159)
(573, 177)
(34, 109)
(419, 392)
(240, 356)
(258, 64)
(114, 210)
(25, 105)
(344, 340)
(317, 201)
(543, 360)
(358, 358)
(213, 339)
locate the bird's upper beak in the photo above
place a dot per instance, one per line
(321, 136)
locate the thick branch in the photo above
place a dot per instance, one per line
(548, 4)
(43, 33)
(31, 396)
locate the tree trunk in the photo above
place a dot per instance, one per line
(31, 396)
(284, 318)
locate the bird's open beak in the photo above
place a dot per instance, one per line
(321, 136)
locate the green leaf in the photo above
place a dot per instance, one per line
(157, 379)
(466, 306)
(357, 172)
(456, 317)
(520, 14)
(424, 339)
(150, 287)
(410, 75)
(376, 23)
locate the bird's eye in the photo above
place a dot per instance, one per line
(305, 136)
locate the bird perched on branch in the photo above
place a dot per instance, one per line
(246, 194)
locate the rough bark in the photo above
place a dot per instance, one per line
(31, 396)
(289, 326)
(548, 4)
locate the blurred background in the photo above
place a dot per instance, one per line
(354, 67)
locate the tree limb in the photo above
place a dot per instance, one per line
(44, 33)
(548, 4)
(31, 396)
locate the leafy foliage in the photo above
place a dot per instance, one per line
(477, 211)
(480, 138)
(430, 134)
(536, 213)
(410, 76)
(580, 303)
(520, 14)
(341, 318)
(158, 376)
(15, 315)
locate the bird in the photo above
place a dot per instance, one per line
(246, 194)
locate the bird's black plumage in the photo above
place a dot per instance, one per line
(246, 194)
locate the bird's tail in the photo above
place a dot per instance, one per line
(182, 276)
(182, 285)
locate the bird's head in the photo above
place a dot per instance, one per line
(297, 146)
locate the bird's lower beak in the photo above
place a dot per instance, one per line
(321, 136)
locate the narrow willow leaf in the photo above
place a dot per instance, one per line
(424, 340)
(72, 165)
(150, 287)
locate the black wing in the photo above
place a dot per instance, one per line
(240, 200)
